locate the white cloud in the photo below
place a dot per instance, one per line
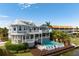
(26, 5)
(4, 16)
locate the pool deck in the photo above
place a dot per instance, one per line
(54, 52)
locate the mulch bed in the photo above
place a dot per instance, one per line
(54, 52)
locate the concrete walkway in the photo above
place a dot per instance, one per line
(2, 43)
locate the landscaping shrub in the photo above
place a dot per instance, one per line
(16, 47)
(1, 52)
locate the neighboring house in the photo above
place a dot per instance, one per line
(27, 32)
(67, 29)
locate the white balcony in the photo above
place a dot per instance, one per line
(30, 40)
(35, 32)
(45, 31)
(28, 32)
(14, 33)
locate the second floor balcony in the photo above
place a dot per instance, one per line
(28, 32)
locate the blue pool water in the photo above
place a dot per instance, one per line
(47, 42)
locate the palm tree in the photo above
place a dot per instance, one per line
(65, 39)
(61, 36)
(48, 23)
(56, 35)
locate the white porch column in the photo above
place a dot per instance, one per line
(25, 39)
(41, 38)
(13, 40)
(34, 37)
(17, 38)
(49, 34)
(29, 36)
(22, 39)
(16, 28)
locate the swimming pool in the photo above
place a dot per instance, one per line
(48, 45)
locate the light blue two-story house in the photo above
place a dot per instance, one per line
(27, 32)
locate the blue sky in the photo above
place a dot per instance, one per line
(57, 14)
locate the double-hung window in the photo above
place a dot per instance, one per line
(20, 28)
(14, 29)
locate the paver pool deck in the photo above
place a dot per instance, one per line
(37, 52)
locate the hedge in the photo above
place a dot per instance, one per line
(16, 47)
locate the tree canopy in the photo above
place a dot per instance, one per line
(3, 34)
(59, 35)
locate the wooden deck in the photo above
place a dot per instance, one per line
(54, 52)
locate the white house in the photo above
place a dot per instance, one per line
(27, 32)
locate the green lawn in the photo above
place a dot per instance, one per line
(75, 41)
(2, 47)
(19, 54)
(24, 54)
